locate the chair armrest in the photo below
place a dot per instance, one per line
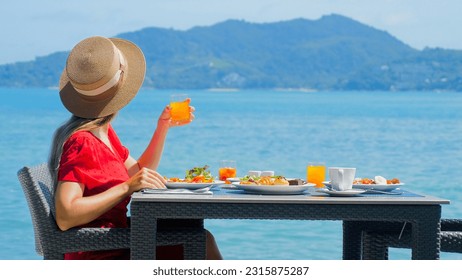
(191, 234)
(90, 239)
(451, 225)
(451, 241)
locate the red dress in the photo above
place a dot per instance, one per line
(87, 160)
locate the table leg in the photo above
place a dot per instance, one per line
(143, 234)
(352, 231)
(425, 230)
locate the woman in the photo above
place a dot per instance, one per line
(94, 173)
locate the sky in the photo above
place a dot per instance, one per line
(32, 28)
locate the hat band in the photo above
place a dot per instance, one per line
(98, 93)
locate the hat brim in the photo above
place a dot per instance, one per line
(135, 70)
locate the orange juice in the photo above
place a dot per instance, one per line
(316, 174)
(179, 110)
(226, 172)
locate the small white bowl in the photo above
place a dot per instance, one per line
(267, 173)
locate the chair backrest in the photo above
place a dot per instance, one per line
(37, 185)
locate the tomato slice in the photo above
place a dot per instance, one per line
(198, 179)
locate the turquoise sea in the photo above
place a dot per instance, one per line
(415, 136)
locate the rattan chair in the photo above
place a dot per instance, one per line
(376, 241)
(52, 243)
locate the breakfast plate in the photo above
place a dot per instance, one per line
(378, 187)
(191, 186)
(351, 192)
(274, 189)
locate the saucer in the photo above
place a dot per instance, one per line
(352, 192)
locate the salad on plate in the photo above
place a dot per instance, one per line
(194, 175)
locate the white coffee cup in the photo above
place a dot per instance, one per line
(267, 173)
(341, 178)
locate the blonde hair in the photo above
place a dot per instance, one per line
(63, 133)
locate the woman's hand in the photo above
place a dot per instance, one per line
(146, 178)
(166, 119)
(153, 152)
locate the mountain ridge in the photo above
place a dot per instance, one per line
(333, 52)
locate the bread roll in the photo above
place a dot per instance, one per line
(280, 181)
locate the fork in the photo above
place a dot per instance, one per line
(201, 190)
(206, 189)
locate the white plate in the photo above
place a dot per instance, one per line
(234, 179)
(191, 186)
(385, 188)
(266, 189)
(351, 192)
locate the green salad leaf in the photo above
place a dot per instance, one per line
(198, 171)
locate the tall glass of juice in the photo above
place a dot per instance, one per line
(316, 173)
(179, 107)
(227, 170)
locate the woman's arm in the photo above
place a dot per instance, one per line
(151, 156)
(73, 209)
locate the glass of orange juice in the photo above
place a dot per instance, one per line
(227, 170)
(316, 173)
(179, 107)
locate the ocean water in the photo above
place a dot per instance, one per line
(415, 136)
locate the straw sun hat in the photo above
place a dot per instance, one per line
(102, 75)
